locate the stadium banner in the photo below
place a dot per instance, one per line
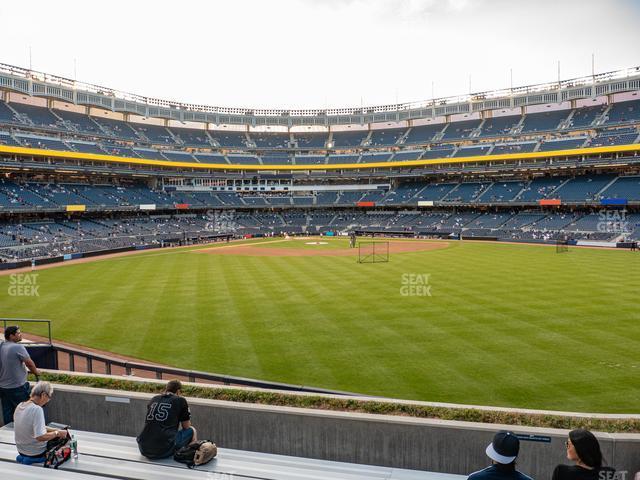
(76, 208)
(148, 206)
(550, 201)
(365, 204)
(67, 256)
(613, 201)
(97, 253)
(46, 261)
(590, 243)
(481, 238)
(182, 206)
(425, 203)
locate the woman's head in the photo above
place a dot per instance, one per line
(42, 392)
(583, 446)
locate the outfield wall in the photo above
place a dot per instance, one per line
(402, 442)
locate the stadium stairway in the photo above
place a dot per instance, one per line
(115, 456)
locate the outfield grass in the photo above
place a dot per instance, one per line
(508, 325)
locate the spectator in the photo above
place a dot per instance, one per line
(31, 433)
(503, 451)
(167, 424)
(584, 450)
(14, 387)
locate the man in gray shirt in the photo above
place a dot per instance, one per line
(14, 387)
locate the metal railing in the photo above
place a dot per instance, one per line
(28, 75)
(15, 321)
(161, 372)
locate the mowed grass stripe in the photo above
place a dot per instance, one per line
(512, 325)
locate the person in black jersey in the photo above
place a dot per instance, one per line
(503, 450)
(583, 449)
(167, 425)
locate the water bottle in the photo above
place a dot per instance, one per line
(74, 446)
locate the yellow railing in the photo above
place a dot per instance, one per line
(36, 152)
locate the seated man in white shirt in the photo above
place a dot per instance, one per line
(31, 433)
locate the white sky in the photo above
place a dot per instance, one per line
(318, 53)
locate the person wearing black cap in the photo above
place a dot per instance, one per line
(583, 449)
(503, 450)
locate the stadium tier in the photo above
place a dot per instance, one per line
(522, 165)
(38, 127)
(536, 122)
(518, 212)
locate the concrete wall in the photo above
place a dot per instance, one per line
(422, 444)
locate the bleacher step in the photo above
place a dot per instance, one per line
(118, 456)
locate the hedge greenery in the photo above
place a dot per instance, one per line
(358, 406)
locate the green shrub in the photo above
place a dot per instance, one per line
(376, 407)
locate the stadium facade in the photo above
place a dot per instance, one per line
(85, 168)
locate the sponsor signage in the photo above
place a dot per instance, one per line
(76, 208)
(613, 201)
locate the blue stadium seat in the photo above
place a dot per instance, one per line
(543, 121)
(311, 140)
(270, 140)
(459, 130)
(192, 137)
(40, 116)
(229, 139)
(624, 112)
(349, 139)
(423, 134)
(561, 144)
(79, 121)
(585, 116)
(386, 137)
(499, 126)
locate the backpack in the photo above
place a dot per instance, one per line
(196, 453)
(58, 451)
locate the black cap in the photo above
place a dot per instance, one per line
(504, 448)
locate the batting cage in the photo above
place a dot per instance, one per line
(373, 252)
(562, 246)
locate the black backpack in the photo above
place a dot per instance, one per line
(58, 451)
(196, 453)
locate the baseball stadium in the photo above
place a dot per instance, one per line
(470, 253)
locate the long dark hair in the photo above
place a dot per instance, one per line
(587, 447)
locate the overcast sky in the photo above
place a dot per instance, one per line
(318, 53)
